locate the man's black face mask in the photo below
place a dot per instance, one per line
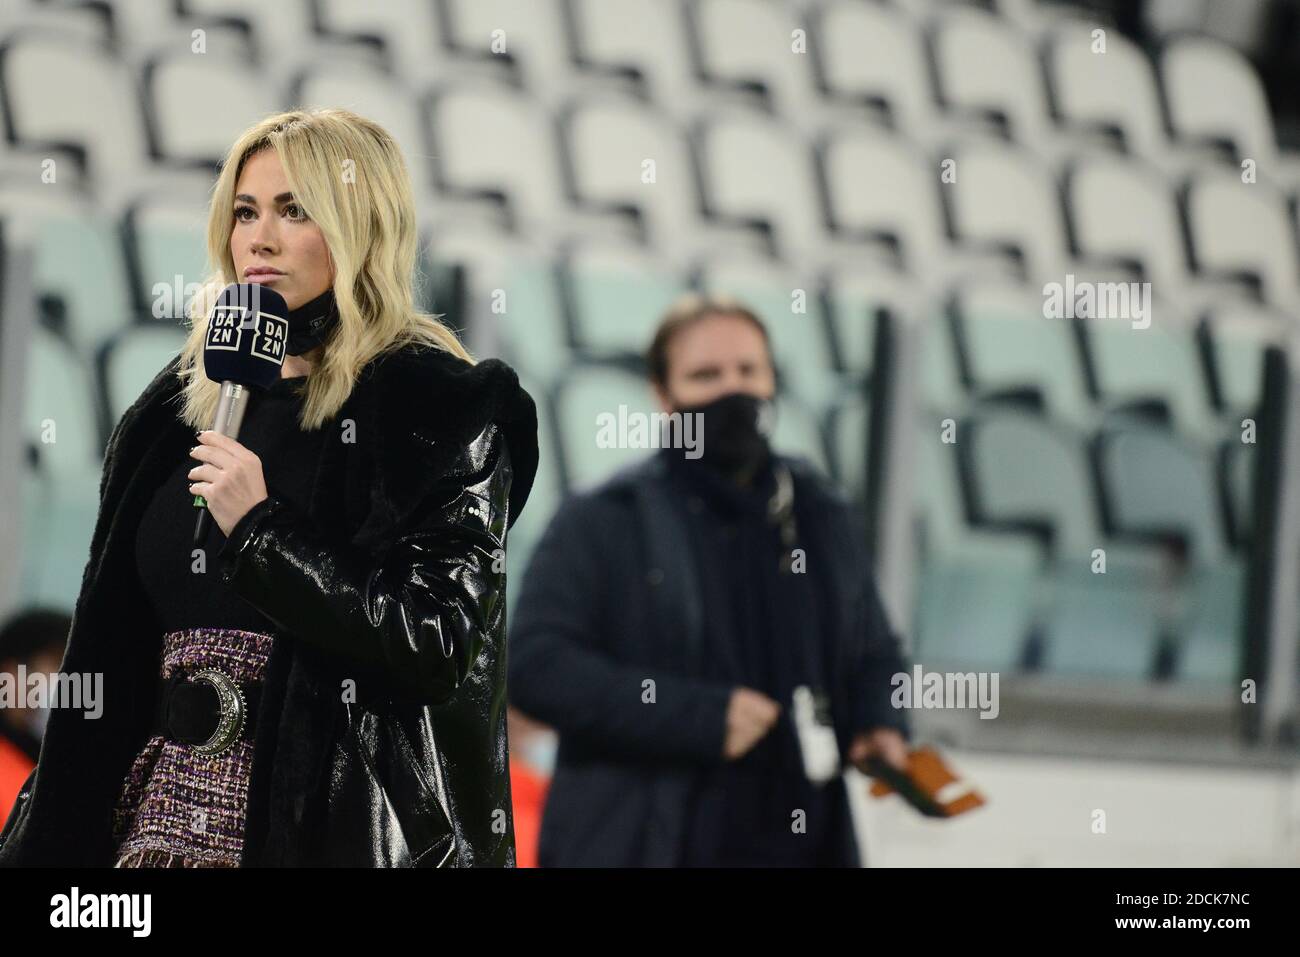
(310, 323)
(735, 428)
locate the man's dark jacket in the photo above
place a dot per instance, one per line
(381, 734)
(611, 601)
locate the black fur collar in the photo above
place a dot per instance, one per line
(431, 405)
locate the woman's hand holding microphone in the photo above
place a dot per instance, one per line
(228, 476)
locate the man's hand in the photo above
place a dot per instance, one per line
(229, 478)
(884, 744)
(750, 715)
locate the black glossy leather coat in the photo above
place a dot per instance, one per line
(381, 734)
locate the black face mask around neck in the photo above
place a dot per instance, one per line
(735, 429)
(310, 323)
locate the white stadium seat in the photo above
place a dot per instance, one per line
(1214, 94)
(199, 104)
(1004, 198)
(493, 138)
(75, 93)
(647, 38)
(609, 142)
(873, 52)
(742, 157)
(1244, 228)
(379, 97)
(1123, 209)
(1106, 91)
(986, 68)
(880, 183)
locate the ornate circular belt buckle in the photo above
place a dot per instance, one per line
(233, 712)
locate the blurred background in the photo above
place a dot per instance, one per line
(892, 185)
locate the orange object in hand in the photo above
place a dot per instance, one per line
(928, 785)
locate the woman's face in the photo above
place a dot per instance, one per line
(271, 239)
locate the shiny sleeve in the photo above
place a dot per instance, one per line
(418, 615)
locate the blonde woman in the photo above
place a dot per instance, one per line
(323, 681)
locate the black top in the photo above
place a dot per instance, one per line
(763, 630)
(184, 593)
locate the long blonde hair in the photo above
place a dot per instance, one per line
(348, 175)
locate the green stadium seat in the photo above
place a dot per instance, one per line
(1009, 346)
(584, 394)
(617, 297)
(131, 361)
(974, 598)
(170, 251)
(59, 416)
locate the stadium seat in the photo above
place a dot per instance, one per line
(1102, 626)
(974, 596)
(491, 140)
(59, 418)
(1215, 98)
(1122, 210)
(1104, 95)
(880, 185)
(1154, 369)
(278, 27)
(987, 69)
(1239, 229)
(410, 30)
(514, 304)
(80, 23)
(1157, 484)
(376, 96)
(608, 143)
(1003, 199)
(131, 360)
(94, 107)
(199, 104)
(58, 519)
(646, 40)
(1011, 348)
(853, 298)
(1028, 475)
(585, 394)
(534, 35)
(80, 271)
(747, 45)
(738, 188)
(616, 297)
(1237, 336)
(871, 52)
(167, 244)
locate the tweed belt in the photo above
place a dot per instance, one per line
(207, 709)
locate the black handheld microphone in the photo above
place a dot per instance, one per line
(244, 349)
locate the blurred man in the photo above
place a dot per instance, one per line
(34, 639)
(704, 633)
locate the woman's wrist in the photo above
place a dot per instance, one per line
(247, 524)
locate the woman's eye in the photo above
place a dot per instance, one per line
(239, 212)
(297, 211)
